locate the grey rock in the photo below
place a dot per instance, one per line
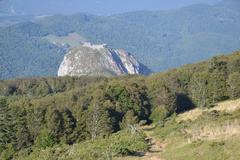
(100, 60)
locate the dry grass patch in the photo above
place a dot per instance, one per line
(190, 115)
(226, 106)
(212, 131)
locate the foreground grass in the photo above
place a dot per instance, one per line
(226, 106)
(212, 135)
(227, 149)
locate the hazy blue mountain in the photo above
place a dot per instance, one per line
(6, 20)
(99, 7)
(232, 4)
(158, 39)
(24, 54)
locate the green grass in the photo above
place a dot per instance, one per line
(212, 136)
(180, 149)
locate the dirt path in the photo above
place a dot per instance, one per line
(156, 148)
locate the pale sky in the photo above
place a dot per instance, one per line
(99, 7)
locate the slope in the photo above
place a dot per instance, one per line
(92, 117)
(191, 136)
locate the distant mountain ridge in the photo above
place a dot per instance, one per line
(158, 39)
(99, 60)
(233, 4)
(103, 7)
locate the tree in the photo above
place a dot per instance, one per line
(159, 114)
(54, 121)
(234, 65)
(127, 96)
(129, 119)
(198, 89)
(6, 130)
(45, 139)
(81, 126)
(13, 127)
(35, 120)
(22, 136)
(43, 89)
(166, 99)
(98, 123)
(216, 65)
(69, 124)
(234, 85)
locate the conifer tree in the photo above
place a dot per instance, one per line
(69, 124)
(6, 133)
(54, 121)
(98, 123)
(22, 134)
(45, 139)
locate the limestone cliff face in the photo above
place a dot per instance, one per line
(99, 60)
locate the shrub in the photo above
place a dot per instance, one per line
(159, 114)
(45, 139)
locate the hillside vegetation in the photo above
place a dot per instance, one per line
(88, 117)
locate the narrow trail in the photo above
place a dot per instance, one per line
(156, 146)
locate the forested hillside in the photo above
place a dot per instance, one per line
(23, 54)
(87, 117)
(159, 39)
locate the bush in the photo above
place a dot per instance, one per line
(7, 154)
(125, 143)
(159, 114)
(44, 140)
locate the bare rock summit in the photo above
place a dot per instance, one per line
(100, 60)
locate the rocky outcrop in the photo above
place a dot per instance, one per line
(100, 60)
